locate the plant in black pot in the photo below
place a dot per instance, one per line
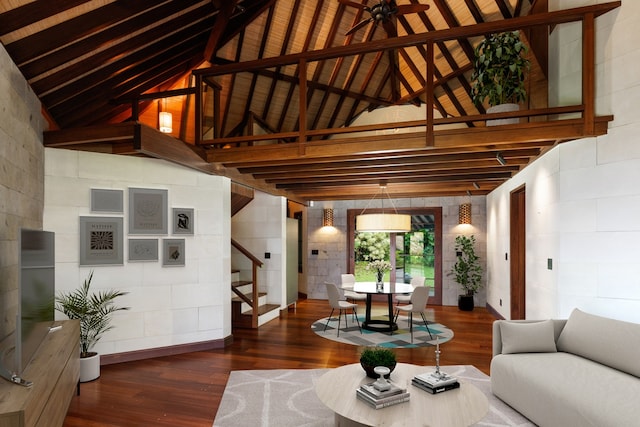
(500, 68)
(371, 357)
(467, 271)
(94, 311)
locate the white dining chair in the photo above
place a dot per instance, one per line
(419, 299)
(347, 283)
(333, 293)
(406, 298)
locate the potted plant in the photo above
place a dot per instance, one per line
(380, 267)
(94, 311)
(467, 271)
(499, 72)
(371, 357)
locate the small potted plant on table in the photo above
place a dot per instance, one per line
(371, 357)
(94, 310)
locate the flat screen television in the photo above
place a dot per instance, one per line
(36, 293)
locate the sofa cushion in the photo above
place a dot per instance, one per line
(611, 342)
(536, 337)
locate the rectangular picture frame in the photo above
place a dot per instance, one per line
(143, 250)
(183, 220)
(107, 200)
(101, 240)
(148, 211)
(173, 252)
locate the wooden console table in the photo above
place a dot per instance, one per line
(55, 372)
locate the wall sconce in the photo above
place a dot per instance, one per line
(327, 217)
(464, 213)
(165, 120)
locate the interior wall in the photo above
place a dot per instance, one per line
(260, 227)
(169, 305)
(21, 185)
(331, 242)
(583, 201)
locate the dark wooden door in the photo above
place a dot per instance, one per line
(518, 253)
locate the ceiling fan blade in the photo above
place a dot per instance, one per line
(411, 8)
(358, 26)
(354, 4)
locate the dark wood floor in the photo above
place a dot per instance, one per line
(185, 390)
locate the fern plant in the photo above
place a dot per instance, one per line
(93, 310)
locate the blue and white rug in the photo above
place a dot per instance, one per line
(401, 338)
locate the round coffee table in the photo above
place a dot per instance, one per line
(459, 407)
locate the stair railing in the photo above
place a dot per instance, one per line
(253, 302)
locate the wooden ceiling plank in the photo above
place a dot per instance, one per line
(79, 48)
(33, 12)
(225, 11)
(87, 135)
(69, 31)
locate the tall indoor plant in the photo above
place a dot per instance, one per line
(94, 311)
(500, 68)
(467, 271)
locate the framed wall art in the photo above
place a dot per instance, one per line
(105, 200)
(143, 249)
(101, 240)
(148, 211)
(173, 252)
(183, 221)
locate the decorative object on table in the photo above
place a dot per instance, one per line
(380, 267)
(436, 381)
(499, 74)
(94, 311)
(382, 392)
(101, 240)
(372, 357)
(383, 222)
(467, 271)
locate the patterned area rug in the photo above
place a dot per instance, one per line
(286, 397)
(399, 339)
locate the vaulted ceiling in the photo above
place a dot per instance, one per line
(96, 65)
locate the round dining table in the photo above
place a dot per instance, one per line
(388, 289)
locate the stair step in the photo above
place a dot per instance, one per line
(265, 308)
(237, 299)
(239, 283)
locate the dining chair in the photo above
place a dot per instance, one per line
(341, 305)
(348, 281)
(406, 298)
(419, 299)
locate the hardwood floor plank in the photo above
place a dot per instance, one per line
(185, 390)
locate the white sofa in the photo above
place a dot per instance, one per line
(582, 371)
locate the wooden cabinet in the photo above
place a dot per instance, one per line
(54, 371)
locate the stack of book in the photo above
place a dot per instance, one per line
(381, 399)
(435, 382)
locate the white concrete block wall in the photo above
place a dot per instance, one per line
(169, 305)
(582, 197)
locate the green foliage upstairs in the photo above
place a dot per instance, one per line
(467, 270)
(93, 310)
(499, 70)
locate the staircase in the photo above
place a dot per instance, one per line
(249, 307)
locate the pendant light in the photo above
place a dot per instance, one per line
(383, 222)
(165, 120)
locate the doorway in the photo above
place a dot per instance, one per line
(517, 243)
(414, 253)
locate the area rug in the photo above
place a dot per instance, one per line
(399, 339)
(286, 397)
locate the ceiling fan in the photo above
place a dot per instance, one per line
(383, 11)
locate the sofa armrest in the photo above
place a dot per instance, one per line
(558, 324)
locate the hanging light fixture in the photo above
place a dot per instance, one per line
(165, 120)
(383, 222)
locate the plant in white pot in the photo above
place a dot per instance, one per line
(500, 68)
(467, 271)
(94, 311)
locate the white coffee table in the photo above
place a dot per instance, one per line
(460, 407)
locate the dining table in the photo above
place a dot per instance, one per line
(388, 289)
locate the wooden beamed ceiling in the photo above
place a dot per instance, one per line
(88, 61)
